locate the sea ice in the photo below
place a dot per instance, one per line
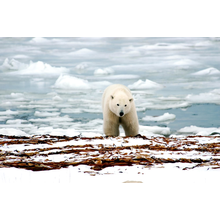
(186, 64)
(84, 52)
(211, 97)
(9, 112)
(4, 118)
(215, 38)
(16, 121)
(153, 130)
(55, 119)
(207, 72)
(32, 68)
(165, 117)
(121, 76)
(57, 98)
(46, 114)
(142, 50)
(81, 67)
(199, 130)
(148, 84)
(104, 71)
(73, 83)
(12, 131)
(39, 40)
(162, 106)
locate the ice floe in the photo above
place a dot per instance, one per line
(81, 67)
(210, 97)
(153, 130)
(207, 72)
(12, 131)
(84, 52)
(165, 117)
(147, 84)
(72, 82)
(46, 114)
(9, 112)
(104, 71)
(199, 130)
(32, 68)
(64, 118)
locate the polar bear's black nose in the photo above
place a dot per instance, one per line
(121, 114)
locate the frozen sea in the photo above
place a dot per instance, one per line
(54, 85)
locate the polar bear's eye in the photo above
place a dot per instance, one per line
(117, 104)
(125, 105)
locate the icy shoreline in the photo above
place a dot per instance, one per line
(109, 159)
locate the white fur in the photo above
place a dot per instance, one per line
(117, 99)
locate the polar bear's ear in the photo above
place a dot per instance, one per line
(112, 96)
(130, 100)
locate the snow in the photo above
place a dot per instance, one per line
(147, 84)
(165, 117)
(160, 172)
(68, 175)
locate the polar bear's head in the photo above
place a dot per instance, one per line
(120, 104)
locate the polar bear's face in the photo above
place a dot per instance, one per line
(120, 104)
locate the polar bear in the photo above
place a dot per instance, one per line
(119, 109)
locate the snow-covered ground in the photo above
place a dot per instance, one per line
(85, 159)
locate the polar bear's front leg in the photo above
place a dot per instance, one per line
(130, 125)
(111, 128)
(111, 124)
